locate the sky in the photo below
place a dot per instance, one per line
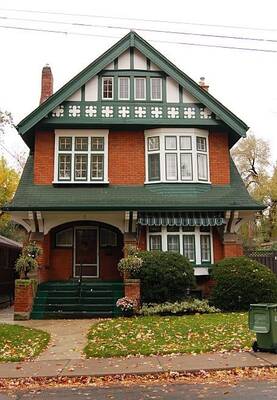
(243, 80)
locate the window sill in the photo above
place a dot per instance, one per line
(185, 182)
(80, 182)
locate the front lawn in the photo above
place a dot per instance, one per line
(18, 343)
(165, 335)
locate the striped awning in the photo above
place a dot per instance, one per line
(180, 219)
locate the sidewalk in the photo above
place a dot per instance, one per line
(136, 365)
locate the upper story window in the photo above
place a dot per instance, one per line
(107, 88)
(156, 88)
(140, 88)
(177, 155)
(123, 88)
(137, 88)
(81, 156)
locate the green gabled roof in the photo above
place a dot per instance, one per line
(132, 39)
(186, 196)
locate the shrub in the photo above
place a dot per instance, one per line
(241, 281)
(195, 306)
(165, 276)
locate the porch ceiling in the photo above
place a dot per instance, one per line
(187, 196)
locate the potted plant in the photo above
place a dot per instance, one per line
(27, 261)
(127, 306)
(130, 265)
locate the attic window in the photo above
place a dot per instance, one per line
(107, 88)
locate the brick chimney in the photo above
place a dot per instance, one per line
(203, 84)
(46, 83)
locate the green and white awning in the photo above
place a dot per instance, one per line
(180, 219)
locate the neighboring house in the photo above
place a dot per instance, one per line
(131, 150)
(9, 252)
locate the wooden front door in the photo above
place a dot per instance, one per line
(86, 252)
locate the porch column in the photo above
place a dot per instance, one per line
(131, 286)
(232, 245)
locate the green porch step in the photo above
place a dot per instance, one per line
(69, 300)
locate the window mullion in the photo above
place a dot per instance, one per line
(197, 246)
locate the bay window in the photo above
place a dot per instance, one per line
(177, 155)
(81, 157)
(193, 242)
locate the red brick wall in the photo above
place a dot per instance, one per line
(219, 158)
(233, 250)
(142, 245)
(217, 246)
(126, 157)
(44, 157)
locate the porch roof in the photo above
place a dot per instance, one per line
(179, 196)
(181, 218)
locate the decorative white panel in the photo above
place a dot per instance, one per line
(91, 90)
(107, 111)
(75, 96)
(123, 111)
(74, 111)
(205, 113)
(124, 60)
(173, 112)
(188, 98)
(58, 112)
(153, 67)
(110, 66)
(172, 90)
(140, 112)
(140, 61)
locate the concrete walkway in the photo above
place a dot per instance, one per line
(68, 337)
(136, 365)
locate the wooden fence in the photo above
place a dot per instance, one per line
(266, 257)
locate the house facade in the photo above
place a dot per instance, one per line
(131, 150)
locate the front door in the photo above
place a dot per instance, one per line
(86, 252)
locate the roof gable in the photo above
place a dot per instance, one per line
(133, 40)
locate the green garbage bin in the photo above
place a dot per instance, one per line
(263, 321)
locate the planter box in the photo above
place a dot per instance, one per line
(25, 291)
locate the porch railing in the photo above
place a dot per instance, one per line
(80, 282)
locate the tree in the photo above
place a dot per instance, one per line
(9, 179)
(6, 119)
(252, 157)
(266, 192)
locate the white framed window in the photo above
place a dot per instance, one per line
(176, 155)
(107, 88)
(123, 88)
(140, 88)
(193, 242)
(156, 88)
(81, 156)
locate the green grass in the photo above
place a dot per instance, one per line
(165, 335)
(18, 343)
